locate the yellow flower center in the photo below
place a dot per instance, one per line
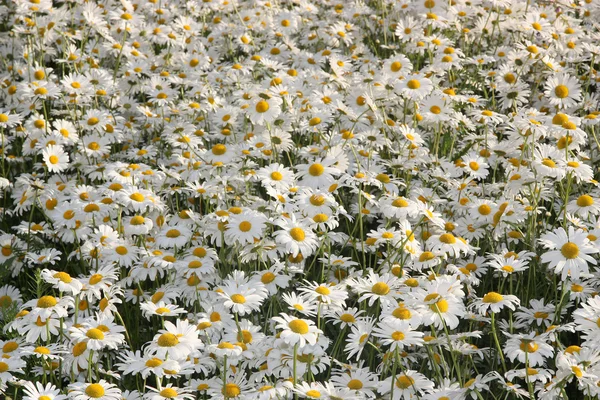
(322, 290)
(447, 238)
(79, 348)
(168, 393)
(219, 149)
(238, 299)
(396, 66)
(484, 209)
(397, 336)
(167, 340)
(276, 175)
(348, 318)
(317, 200)
(561, 91)
(401, 313)
(426, 256)
(53, 159)
(576, 288)
(297, 234)
(313, 393)
(298, 326)
(231, 390)
(245, 226)
(528, 347)
(585, 200)
(435, 110)
(46, 302)
(262, 107)
(439, 306)
(153, 363)
(42, 350)
(492, 298)
(9, 347)
(404, 382)
(95, 333)
(569, 250)
(95, 390)
(267, 277)
(63, 277)
(94, 279)
(173, 233)
(400, 203)
(380, 288)
(316, 169)
(413, 84)
(355, 384)
(137, 197)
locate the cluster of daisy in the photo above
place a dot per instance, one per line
(256, 200)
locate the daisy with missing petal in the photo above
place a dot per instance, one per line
(569, 254)
(101, 390)
(55, 158)
(563, 91)
(296, 330)
(494, 302)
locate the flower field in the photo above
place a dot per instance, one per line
(286, 199)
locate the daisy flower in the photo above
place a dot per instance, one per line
(374, 287)
(264, 109)
(101, 390)
(562, 90)
(55, 158)
(295, 237)
(397, 334)
(569, 253)
(39, 391)
(296, 331)
(527, 347)
(243, 299)
(494, 302)
(408, 385)
(169, 392)
(245, 227)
